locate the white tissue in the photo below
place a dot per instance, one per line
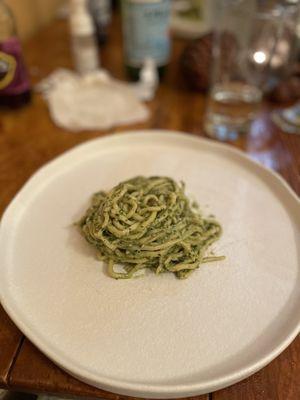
(90, 102)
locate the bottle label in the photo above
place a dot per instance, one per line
(13, 74)
(86, 58)
(146, 31)
(8, 67)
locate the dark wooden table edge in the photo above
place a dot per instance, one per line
(67, 393)
(5, 383)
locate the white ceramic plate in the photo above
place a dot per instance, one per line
(155, 336)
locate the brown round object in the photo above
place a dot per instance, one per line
(195, 62)
(196, 59)
(281, 94)
(289, 89)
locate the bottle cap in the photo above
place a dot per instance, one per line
(80, 19)
(148, 82)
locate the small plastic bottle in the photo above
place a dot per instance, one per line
(84, 46)
(146, 25)
(14, 83)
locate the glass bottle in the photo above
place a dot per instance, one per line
(14, 82)
(146, 26)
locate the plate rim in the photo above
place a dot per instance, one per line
(119, 386)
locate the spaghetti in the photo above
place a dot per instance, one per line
(149, 223)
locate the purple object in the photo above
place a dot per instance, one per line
(19, 82)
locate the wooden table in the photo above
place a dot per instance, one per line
(28, 139)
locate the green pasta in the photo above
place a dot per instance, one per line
(149, 223)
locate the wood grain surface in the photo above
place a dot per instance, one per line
(278, 381)
(28, 139)
(10, 340)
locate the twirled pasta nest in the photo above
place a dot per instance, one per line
(149, 223)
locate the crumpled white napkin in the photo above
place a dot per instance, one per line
(90, 102)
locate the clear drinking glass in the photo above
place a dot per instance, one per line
(254, 46)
